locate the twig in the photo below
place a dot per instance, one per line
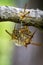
(11, 14)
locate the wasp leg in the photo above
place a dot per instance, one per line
(32, 35)
(37, 44)
(9, 33)
(12, 35)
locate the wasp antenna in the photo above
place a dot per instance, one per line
(25, 6)
(37, 44)
(9, 33)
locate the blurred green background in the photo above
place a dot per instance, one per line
(5, 40)
(5, 44)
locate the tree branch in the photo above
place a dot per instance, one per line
(8, 13)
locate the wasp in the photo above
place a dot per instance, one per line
(24, 13)
(22, 37)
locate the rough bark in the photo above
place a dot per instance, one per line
(8, 13)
